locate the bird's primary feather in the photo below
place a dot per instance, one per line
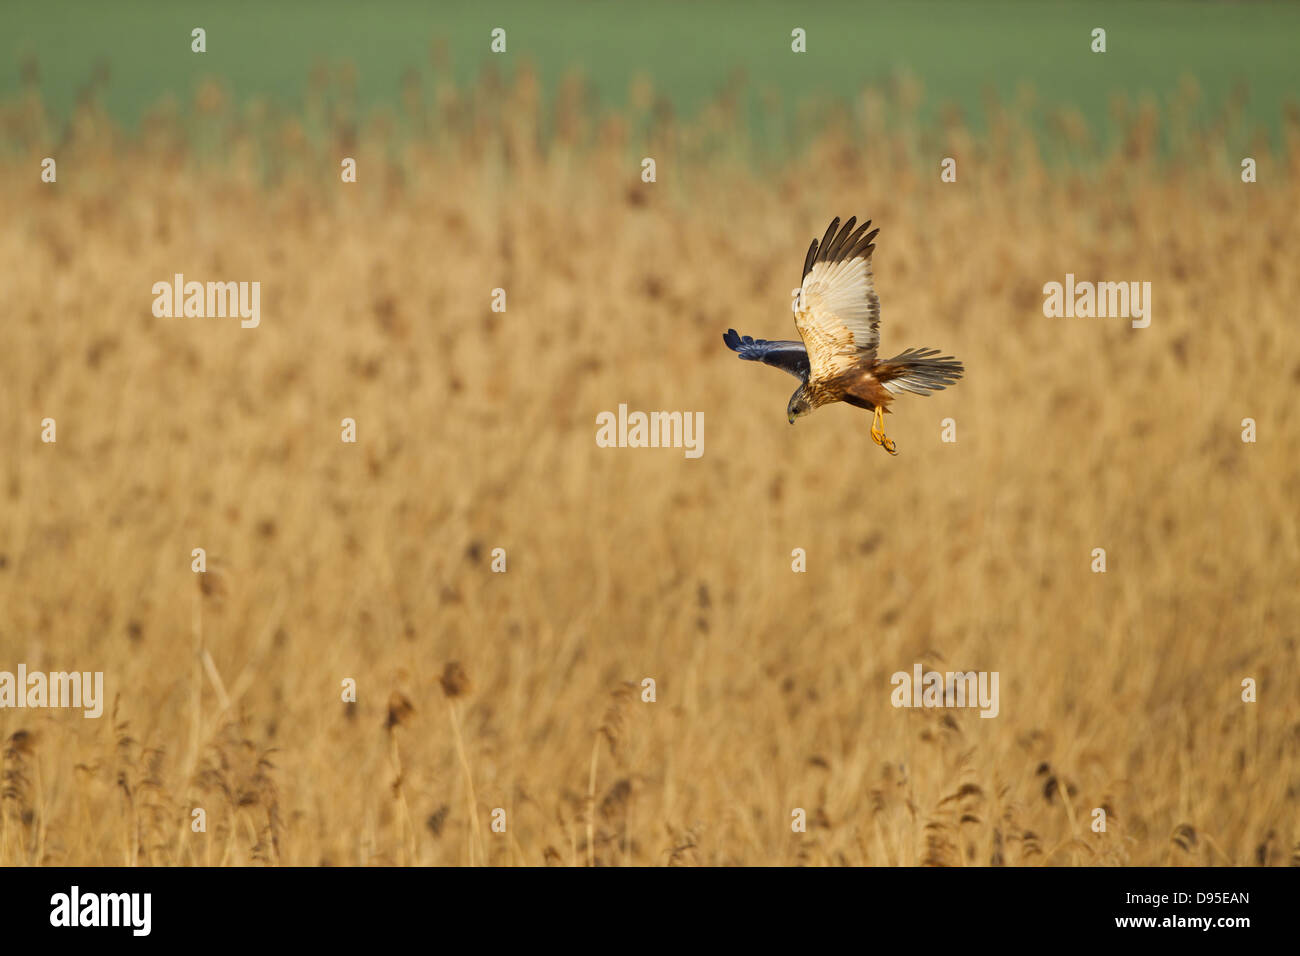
(789, 356)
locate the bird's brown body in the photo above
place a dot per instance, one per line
(861, 387)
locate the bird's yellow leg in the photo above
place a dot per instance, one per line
(878, 432)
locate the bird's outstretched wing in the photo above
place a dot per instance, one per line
(838, 312)
(790, 356)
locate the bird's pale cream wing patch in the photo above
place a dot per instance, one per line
(839, 312)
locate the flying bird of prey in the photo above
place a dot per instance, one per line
(837, 313)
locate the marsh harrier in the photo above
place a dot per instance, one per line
(837, 314)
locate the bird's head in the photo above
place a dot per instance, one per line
(799, 405)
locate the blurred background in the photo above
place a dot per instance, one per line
(522, 691)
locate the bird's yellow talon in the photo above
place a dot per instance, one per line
(878, 432)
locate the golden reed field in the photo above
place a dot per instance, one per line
(522, 692)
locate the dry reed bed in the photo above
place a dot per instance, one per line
(477, 431)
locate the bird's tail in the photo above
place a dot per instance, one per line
(918, 371)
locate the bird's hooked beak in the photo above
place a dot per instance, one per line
(790, 415)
